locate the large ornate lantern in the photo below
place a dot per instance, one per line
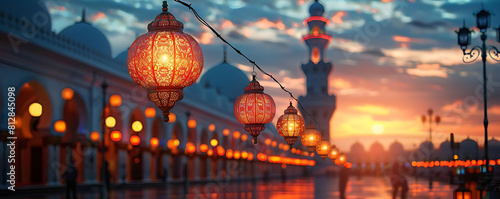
(483, 19)
(290, 125)
(165, 60)
(310, 138)
(254, 108)
(464, 35)
(323, 148)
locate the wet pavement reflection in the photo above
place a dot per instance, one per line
(301, 188)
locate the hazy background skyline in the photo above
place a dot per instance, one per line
(393, 59)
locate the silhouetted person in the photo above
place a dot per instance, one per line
(398, 181)
(343, 179)
(69, 176)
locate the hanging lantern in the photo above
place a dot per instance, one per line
(341, 160)
(462, 193)
(333, 153)
(310, 138)
(165, 60)
(254, 108)
(290, 125)
(323, 148)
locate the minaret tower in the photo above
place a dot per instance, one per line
(317, 101)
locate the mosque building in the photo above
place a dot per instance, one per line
(62, 74)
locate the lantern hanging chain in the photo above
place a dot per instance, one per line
(201, 20)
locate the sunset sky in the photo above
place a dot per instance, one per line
(393, 59)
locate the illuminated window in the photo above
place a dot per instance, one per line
(315, 55)
(315, 31)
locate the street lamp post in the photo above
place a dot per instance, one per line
(430, 119)
(104, 86)
(483, 19)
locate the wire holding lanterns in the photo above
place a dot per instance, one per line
(165, 60)
(290, 125)
(202, 21)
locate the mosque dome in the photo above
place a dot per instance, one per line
(468, 149)
(357, 148)
(122, 57)
(33, 10)
(445, 152)
(494, 145)
(396, 149)
(376, 147)
(88, 35)
(316, 9)
(226, 79)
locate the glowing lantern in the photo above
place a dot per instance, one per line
(173, 144)
(67, 93)
(190, 148)
(165, 60)
(150, 112)
(267, 141)
(310, 138)
(286, 147)
(290, 125)
(137, 126)
(95, 136)
(462, 193)
(244, 137)
(214, 142)
(333, 153)
(35, 109)
(250, 156)
(211, 127)
(192, 123)
(226, 132)
(116, 136)
(110, 122)
(60, 126)
(262, 157)
(274, 143)
(236, 135)
(203, 147)
(220, 150)
(115, 100)
(244, 155)
(135, 140)
(280, 146)
(237, 154)
(171, 117)
(254, 108)
(323, 148)
(229, 153)
(210, 152)
(154, 142)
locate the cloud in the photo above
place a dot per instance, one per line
(428, 70)
(372, 109)
(428, 25)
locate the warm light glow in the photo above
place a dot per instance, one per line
(214, 142)
(95, 136)
(210, 152)
(67, 93)
(211, 127)
(150, 112)
(154, 142)
(135, 140)
(244, 154)
(377, 129)
(190, 147)
(286, 147)
(35, 109)
(173, 144)
(116, 136)
(267, 141)
(310, 138)
(226, 132)
(455, 157)
(60, 126)
(115, 100)
(110, 122)
(172, 117)
(203, 147)
(236, 135)
(334, 152)
(323, 148)
(229, 153)
(237, 154)
(290, 125)
(220, 150)
(293, 150)
(164, 61)
(250, 156)
(137, 126)
(262, 157)
(191, 123)
(315, 58)
(274, 143)
(244, 137)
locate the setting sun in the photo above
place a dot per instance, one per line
(377, 129)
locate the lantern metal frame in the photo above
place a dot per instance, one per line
(282, 125)
(472, 55)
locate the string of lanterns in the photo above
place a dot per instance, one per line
(165, 60)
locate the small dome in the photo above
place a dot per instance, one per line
(357, 148)
(445, 152)
(88, 35)
(226, 79)
(316, 9)
(376, 147)
(396, 149)
(468, 149)
(427, 151)
(494, 145)
(426, 146)
(33, 10)
(122, 57)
